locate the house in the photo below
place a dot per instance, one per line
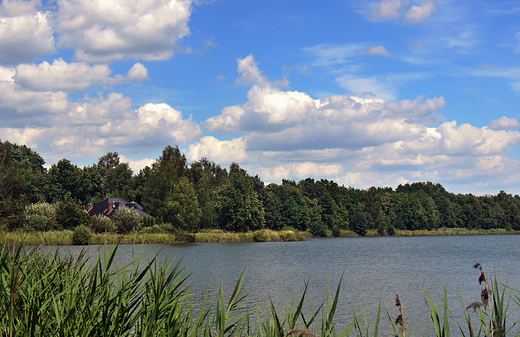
(108, 207)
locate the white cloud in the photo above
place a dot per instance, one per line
(332, 54)
(504, 123)
(516, 38)
(10, 8)
(109, 30)
(138, 72)
(394, 9)
(86, 128)
(226, 122)
(422, 12)
(367, 87)
(76, 76)
(378, 50)
(388, 9)
(25, 37)
(220, 151)
(251, 74)
(136, 165)
(300, 171)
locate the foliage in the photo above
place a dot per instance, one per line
(40, 216)
(237, 205)
(126, 220)
(102, 224)
(182, 206)
(361, 222)
(305, 205)
(82, 235)
(336, 231)
(70, 214)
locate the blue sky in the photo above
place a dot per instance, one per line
(362, 92)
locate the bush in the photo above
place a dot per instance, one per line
(360, 223)
(102, 224)
(126, 220)
(390, 230)
(70, 214)
(164, 228)
(40, 216)
(82, 235)
(318, 229)
(336, 231)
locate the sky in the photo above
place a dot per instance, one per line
(365, 93)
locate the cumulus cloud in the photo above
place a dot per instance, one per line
(504, 123)
(251, 74)
(76, 76)
(300, 171)
(109, 30)
(220, 151)
(136, 165)
(87, 127)
(24, 37)
(360, 141)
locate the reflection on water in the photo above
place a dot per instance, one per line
(373, 268)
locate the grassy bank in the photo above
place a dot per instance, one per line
(208, 236)
(65, 237)
(43, 294)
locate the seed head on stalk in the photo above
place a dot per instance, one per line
(401, 319)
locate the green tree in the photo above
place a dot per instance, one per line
(12, 198)
(183, 207)
(70, 214)
(66, 181)
(237, 205)
(361, 222)
(161, 179)
(207, 177)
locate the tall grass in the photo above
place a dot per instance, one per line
(44, 294)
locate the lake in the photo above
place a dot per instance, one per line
(374, 268)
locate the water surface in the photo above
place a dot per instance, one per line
(372, 268)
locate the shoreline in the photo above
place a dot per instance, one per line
(217, 236)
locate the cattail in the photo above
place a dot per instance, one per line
(301, 333)
(401, 319)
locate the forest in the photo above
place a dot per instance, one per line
(203, 195)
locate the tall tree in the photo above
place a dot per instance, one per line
(237, 205)
(12, 199)
(164, 174)
(183, 209)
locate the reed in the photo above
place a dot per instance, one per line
(44, 294)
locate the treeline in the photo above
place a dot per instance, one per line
(204, 195)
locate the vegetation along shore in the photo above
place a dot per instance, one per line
(45, 294)
(176, 201)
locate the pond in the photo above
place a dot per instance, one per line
(372, 268)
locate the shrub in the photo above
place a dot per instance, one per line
(40, 216)
(336, 231)
(82, 235)
(70, 214)
(360, 223)
(318, 229)
(390, 230)
(164, 228)
(102, 224)
(126, 220)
